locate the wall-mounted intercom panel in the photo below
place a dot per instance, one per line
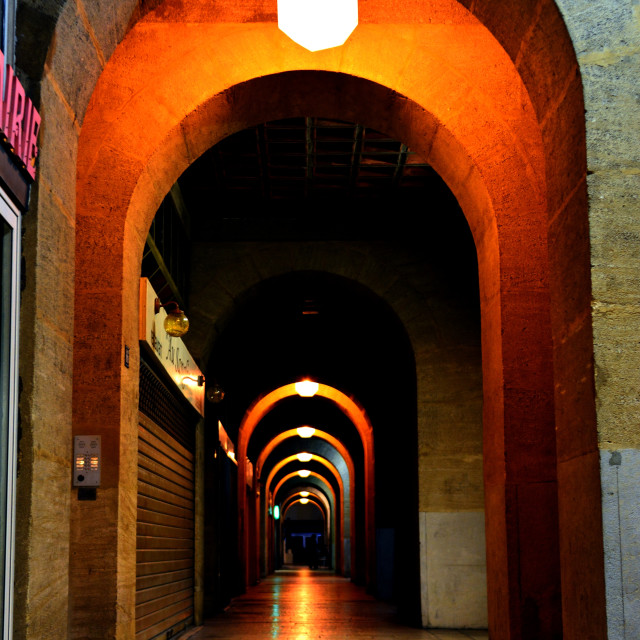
(87, 461)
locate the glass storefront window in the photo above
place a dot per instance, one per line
(9, 292)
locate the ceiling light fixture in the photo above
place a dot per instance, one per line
(318, 24)
(304, 494)
(304, 473)
(304, 500)
(307, 388)
(304, 457)
(305, 432)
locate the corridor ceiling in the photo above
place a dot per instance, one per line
(312, 179)
(287, 179)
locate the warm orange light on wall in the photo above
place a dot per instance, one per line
(318, 24)
(304, 457)
(305, 432)
(306, 388)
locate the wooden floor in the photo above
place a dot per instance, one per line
(300, 604)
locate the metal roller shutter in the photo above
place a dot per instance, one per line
(165, 534)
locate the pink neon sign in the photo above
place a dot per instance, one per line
(19, 119)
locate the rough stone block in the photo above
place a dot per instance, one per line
(617, 377)
(109, 21)
(75, 65)
(574, 393)
(58, 147)
(564, 138)
(581, 554)
(508, 22)
(529, 436)
(546, 63)
(51, 408)
(612, 114)
(450, 482)
(526, 322)
(48, 569)
(600, 25)
(453, 570)
(570, 264)
(614, 199)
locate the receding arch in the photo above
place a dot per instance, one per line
(323, 461)
(356, 415)
(314, 474)
(319, 500)
(346, 456)
(315, 504)
(319, 433)
(314, 492)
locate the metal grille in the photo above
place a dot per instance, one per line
(165, 409)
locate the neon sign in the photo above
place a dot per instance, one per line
(19, 119)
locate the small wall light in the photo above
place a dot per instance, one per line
(306, 388)
(304, 457)
(189, 379)
(304, 473)
(305, 432)
(304, 494)
(176, 323)
(304, 500)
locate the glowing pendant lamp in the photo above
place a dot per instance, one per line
(318, 24)
(306, 388)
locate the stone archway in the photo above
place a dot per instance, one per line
(358, 416)
(486, 194)
(459, 153)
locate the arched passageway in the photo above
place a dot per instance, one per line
(333, 449)
(478, 124)
(358, 418)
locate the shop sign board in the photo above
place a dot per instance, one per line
(168, 351)
(19, 119)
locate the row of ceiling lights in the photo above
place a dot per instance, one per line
(176, 324)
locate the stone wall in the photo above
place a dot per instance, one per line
(444, 333)
(60, 78)
(85, 34)
(606, 37)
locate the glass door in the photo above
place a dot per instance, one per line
(9, 307)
